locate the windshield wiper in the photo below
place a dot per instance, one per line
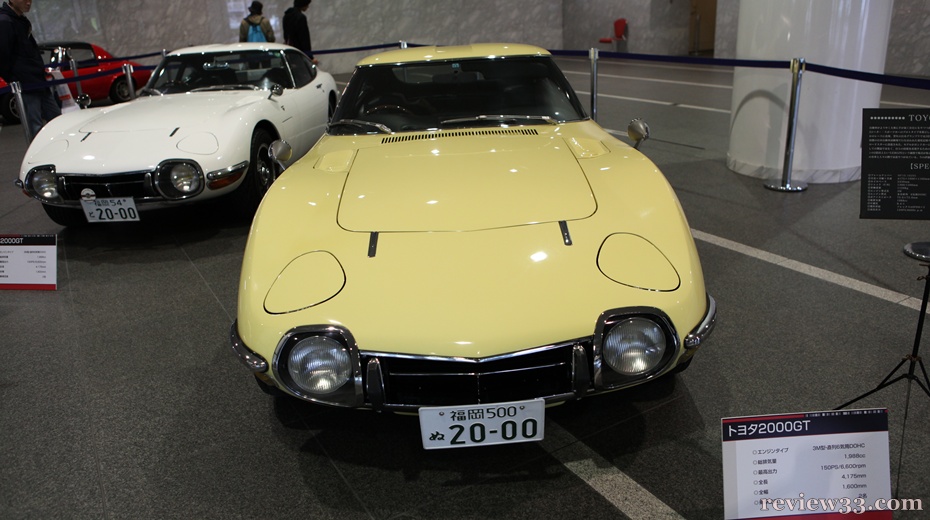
(498, 119)
(359, 123)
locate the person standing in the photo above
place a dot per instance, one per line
(255, 19)
(296, 28)
(20, 60)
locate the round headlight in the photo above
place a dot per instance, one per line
(634, 346)
(185, 178)
(319, 365)
(44, 183)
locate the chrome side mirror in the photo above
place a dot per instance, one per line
(276, 90)
(638, 131)
(83, 101)
(280, 152)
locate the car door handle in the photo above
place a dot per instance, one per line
(319, 85)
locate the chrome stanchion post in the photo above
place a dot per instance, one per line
(797, 68)
(403, 44)
(18, 94)
(593, 55)
(74, 72)
(127, 71)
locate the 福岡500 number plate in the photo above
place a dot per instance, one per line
(482, 424)
(114, 209)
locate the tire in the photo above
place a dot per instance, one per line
(68, 217)
(119, 90)
(260, 176)
(331, 109)
(9, 109)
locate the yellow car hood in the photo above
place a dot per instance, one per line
(428, 246)
(464, 185)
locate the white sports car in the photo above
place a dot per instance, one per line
(200, 129)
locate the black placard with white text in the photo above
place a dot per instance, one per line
(895, 164)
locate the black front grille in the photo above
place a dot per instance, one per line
(136, 185)
(431, 382)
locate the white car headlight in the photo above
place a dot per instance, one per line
(178, 179)
(185, 178)
(319, 365)
(43, 183)
(634, 346)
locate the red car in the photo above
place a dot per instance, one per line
(8, 108)
(90, 59)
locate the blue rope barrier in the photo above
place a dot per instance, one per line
(356, 49)
(136, 57)
(900, 81)
(764, 64)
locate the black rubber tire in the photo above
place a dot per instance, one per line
(9, 109)
(68, 217)
(260, 176)
(119, 90)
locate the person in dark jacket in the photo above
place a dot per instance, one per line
(296, 29)
(20, 60)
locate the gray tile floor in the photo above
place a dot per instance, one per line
(120, 397)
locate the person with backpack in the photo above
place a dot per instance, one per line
(255, 27)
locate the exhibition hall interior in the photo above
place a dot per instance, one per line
(724, 319)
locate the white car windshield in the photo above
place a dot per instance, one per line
(219, 71)
(473, 92)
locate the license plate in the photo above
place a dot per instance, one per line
(482, 424)
(116, 209)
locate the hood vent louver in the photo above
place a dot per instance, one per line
(459, 133)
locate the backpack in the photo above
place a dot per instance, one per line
(255, 33)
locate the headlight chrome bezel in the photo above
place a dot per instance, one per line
(52, 195)
(606, 377)
(167, 185)
(349, 394)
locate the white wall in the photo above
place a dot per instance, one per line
(131, 27)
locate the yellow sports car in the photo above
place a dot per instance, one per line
(466, 244)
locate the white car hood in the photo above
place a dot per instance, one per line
(136, 136)
(167, 112)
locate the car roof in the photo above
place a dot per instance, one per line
(456, 52)
(225, 47)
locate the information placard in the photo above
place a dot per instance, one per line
(811, 463)
(895, 164)
(29, 262)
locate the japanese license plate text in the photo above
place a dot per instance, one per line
(482, 424)
(118, 209)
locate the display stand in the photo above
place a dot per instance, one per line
(919, 251)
